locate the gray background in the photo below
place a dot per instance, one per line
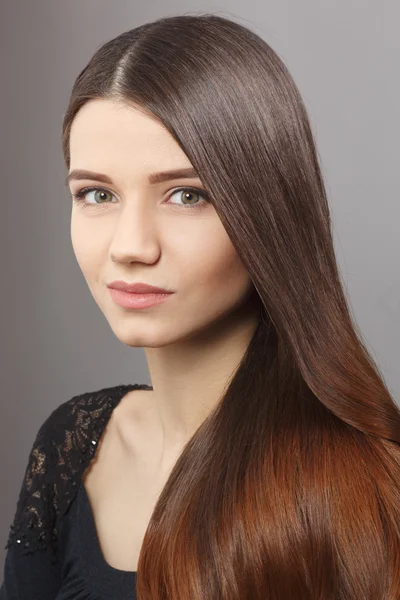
(344, 56)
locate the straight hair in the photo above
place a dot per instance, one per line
(290, 487)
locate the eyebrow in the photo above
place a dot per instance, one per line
(188, 173)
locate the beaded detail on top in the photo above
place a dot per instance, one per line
(63, 448)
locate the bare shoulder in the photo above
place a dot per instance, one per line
(134, 418)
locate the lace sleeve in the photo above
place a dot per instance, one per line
(32, 527)
(64, 446)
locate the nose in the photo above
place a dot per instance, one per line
(134, 238)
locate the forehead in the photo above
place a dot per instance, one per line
(107, 135)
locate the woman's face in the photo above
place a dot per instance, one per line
(134, 230)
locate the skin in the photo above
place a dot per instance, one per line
(195, 340)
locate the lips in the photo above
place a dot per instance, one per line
(137, 288)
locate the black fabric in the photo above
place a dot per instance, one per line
(53, 552)
(85, 574)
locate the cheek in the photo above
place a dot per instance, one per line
(87, 247)
(218, 268)
(227, 272)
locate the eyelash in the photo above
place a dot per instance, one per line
(78, 196)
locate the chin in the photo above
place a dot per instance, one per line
(135, 335)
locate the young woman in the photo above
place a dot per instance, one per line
(263, 463)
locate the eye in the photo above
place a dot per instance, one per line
(79, 196)
(188, 195)
(191, 195)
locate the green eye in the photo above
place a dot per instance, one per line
(189, 194)
(84, 191)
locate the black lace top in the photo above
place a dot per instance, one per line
(53, 552)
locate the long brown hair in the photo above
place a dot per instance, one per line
(290, 489)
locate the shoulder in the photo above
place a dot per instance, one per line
(63, 447)
(82, 410)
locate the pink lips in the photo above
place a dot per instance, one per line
(137, 295)
(137, 288)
